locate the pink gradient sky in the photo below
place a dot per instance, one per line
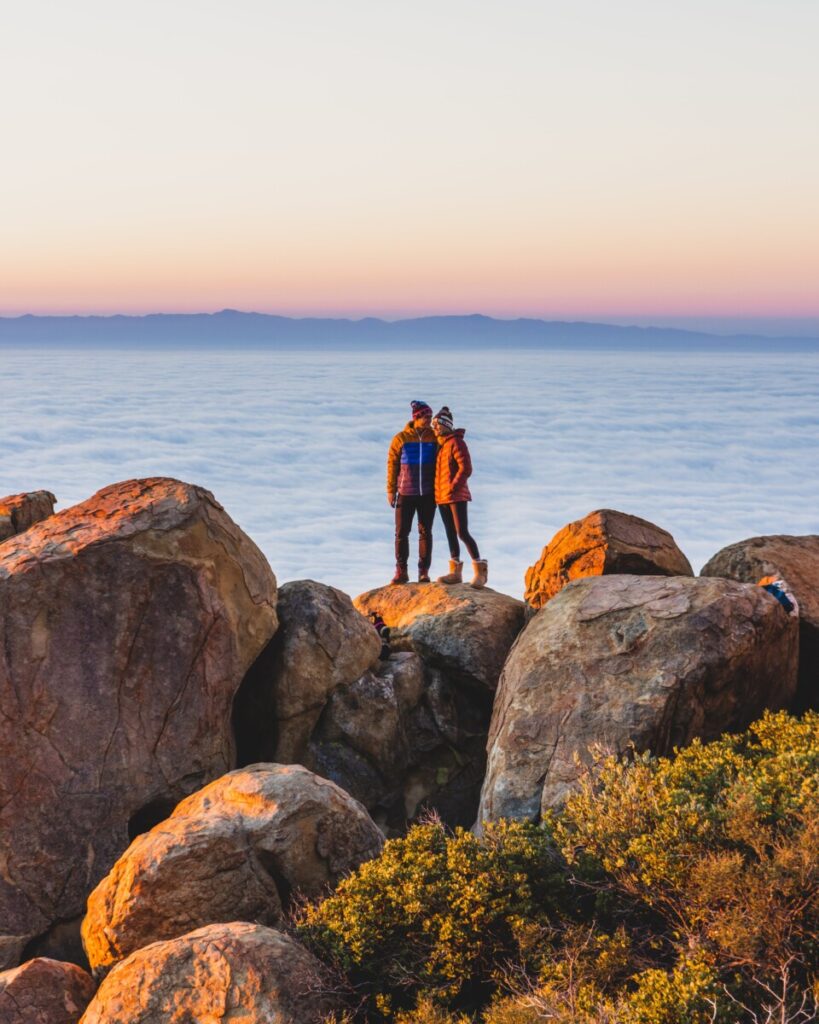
(516, 159)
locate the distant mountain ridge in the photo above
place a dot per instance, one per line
(231, 328)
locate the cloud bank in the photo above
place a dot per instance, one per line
(714, 448)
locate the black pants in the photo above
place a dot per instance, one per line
(456, 524)
(424, 505)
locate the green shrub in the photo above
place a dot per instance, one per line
(722, 842)
(437, 914)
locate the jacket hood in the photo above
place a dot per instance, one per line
(459, 433)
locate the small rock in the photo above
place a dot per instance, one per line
(237, 972)
(44, 991)
(599, 544)
(19, 512)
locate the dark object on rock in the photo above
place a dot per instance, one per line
(620, 660)
(383, 631)
(599, 544)
(796, 560)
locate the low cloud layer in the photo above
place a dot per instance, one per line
(713, 448)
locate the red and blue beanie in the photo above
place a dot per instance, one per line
(420, 409)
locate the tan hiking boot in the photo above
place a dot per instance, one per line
(455, 574)
(481, 570)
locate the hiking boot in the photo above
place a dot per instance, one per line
(481, 570)
(401, 575)
(423, 576)
(455, 574)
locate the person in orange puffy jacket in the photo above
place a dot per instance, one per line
(452, 469)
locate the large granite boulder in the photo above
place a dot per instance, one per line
(127, 624)
(620, 660)
(44, 991)
(322, 643)
(796, 560)
(404, 739)
(234, 851)
(19, 512)
(224, 972)
(601, 543)
(464, 632)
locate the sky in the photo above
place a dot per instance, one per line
(524, 157)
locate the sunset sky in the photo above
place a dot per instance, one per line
(644, 158)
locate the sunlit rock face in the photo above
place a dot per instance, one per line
(127, 624)
(620, 660)
(796, 560)
(463, 632)
(237, 850)
(602, 543)
(19, 512)
(237, 972)
(44, 991)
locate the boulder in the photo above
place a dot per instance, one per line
(322, 643)
(44, 991)
(224, 972)
(464, 632)
(796, 560)
(127, 624)
(599, 544)
(19, 512)
(403, 739)
(619, 660)
(234, 851)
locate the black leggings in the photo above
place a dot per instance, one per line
(456, 524)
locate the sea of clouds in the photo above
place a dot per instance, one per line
(714, 448)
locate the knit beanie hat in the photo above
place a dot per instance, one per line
(444, 417)
(420, 409)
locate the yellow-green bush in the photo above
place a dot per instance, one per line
(678, 890)
(439, 913)
(722, 843)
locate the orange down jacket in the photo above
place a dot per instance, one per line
(452, 468)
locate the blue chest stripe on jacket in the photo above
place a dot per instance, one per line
(410, 452)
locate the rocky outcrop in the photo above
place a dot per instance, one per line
(322, 643)
(403, 738)
(795, 559)
(19, 512)
(237, 972)
(234, 851)
(464, 632)
(599, 544)
(616, 660)
(44, 991)
(127, 624)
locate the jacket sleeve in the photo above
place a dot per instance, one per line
(393, 465)
(461, 455)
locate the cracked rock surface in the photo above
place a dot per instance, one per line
(615, 660)
(601, 543)
(44, 991)
(796, 560)
(224, 972)
(234, 851)
(464, 632)
(126, 626)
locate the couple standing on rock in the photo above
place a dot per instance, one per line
(427, 467)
